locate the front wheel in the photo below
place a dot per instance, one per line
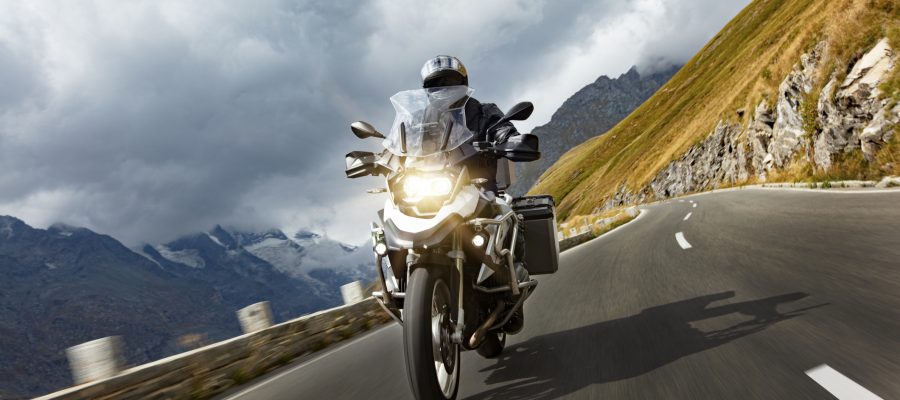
(432, 359)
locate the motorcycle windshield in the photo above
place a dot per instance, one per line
(429, 121)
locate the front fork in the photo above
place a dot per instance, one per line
(459, 260)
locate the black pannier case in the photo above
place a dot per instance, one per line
(541, 245)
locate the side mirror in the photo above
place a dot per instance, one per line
(364, 130)
(360, 163)
(521, 148)
(518, 112)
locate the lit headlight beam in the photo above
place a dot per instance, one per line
(417, 187)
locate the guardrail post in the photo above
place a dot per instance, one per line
(95, 360)
(255, 317)
(352, 292)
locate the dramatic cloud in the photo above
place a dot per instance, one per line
(147, 120)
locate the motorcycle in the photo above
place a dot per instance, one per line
(447, 249)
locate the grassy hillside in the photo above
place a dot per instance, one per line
(742, 65)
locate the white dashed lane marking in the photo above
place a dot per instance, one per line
(839, 385)
(687, 216)
(679, 237)
(695, 205)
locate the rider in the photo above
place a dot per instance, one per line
(443, 71)
(449, 71)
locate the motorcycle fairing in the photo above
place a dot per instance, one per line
(412, 232)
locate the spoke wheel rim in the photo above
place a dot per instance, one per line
(445, 352)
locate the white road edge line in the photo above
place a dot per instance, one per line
(789, 189)
(687, 216)
(307, 362)
(839, 385)
(758, 187)
(682, 241)
(640, 215)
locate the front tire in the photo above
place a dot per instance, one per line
(432, 359)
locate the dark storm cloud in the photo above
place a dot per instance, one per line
(146, 120)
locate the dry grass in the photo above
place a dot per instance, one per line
(617, 216)
(621, 220)
(742, 65)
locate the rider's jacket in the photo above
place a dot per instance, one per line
(480, 117)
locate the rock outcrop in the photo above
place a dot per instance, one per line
(849, 116)
(719, 158)
(855, 118)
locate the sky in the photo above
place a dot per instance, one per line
(148, 120)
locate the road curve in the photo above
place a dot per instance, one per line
(774, 283)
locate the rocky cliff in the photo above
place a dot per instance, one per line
(786, 91)
(804, 128)
(589, 112)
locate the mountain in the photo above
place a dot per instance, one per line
(297, 275)
(64, 286)
(589, 112)
(67, 285)
(786, 91)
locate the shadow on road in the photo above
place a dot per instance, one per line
(556, 364)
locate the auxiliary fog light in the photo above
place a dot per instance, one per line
(380, 248)
(478, 240)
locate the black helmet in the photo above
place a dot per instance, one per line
(444, 71)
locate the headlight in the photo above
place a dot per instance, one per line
(417, 187)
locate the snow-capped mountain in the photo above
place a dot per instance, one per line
(305, 256)
(66, 285)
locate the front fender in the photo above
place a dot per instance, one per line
(398, 239)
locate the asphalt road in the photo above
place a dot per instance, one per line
(775, 283)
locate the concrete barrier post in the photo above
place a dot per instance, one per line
(352, 292)
(255, 317)
(95, 360)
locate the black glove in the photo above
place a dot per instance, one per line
(502, 133)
